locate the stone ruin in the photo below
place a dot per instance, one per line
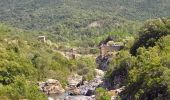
(105, 48)
(108, 49)
(42, 38)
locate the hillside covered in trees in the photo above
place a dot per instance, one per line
(146, 74)
(140, 70)
(68, 19)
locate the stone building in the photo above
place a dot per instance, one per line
(105, 49)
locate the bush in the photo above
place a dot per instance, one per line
(21, 89)
(102, 94)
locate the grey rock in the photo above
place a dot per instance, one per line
(51, 86)
(74, 80)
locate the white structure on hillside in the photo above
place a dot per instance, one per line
(42, 38)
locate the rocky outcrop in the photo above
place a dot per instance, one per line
(88, 88)
(81, 90)
(74, 91)
(75, 80)
(51, 86)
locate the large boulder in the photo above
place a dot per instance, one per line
(99, 73)
(89, 88)
(75, 80)
(51, 86)
(74, 91)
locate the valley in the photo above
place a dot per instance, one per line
(84, 50)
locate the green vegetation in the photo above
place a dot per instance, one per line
(143, 65)
(21, 89)
(146, 38)
(81, 22)
(78, 20)
(25, 61)
(102, 94)
(145, 75)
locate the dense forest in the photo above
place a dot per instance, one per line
(141, 66)
(145, 74)
(69, 19)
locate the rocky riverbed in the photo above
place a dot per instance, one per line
(77, 88)
(87, 88)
